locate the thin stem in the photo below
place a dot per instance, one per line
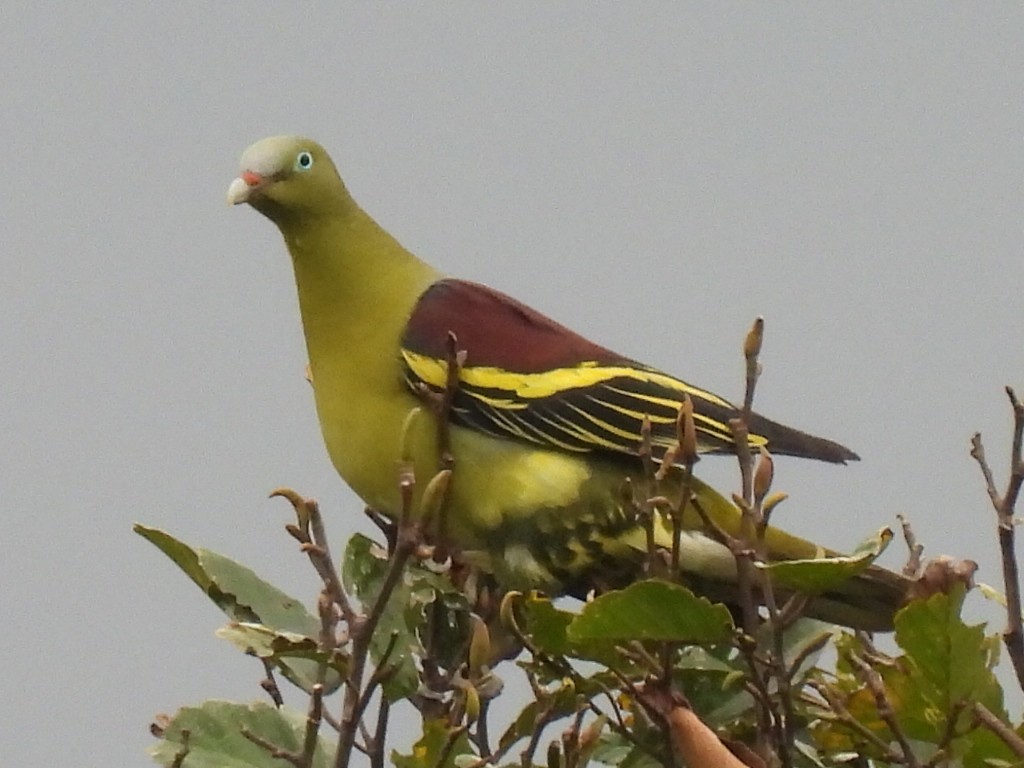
(843, 715)
(362, 630)
(1004, 506)
(311, 535)
(449, 745)
(482, 736)
(313, 718)
(543, 720)
(269, 683)
(876, 685)
(375, 746)
(915, 550)
(1009, 736)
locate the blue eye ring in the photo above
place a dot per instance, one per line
(303, 161)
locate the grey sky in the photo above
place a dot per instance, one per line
(652, 178)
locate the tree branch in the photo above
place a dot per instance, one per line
(1009, 736)
(1004, 505)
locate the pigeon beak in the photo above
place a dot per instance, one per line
(243, 188)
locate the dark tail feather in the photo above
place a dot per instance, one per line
(868, 601)
(786, 441)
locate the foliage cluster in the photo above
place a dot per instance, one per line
(649, 675)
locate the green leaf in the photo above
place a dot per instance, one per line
(211, 736)
(947, 667)
(805, 639)
(702, 660)
(639, 758)
(817, 575)
(273, 607)
(652, 610)
(422, 604)
(948, 664)
(524, 725)
(181, 554)
(364, 565)
(954, 660)
(245, 598)
(284, 648)
(437, 614)
(187, 560)
(548, 626)
(236, 590)
(713, 679)
(560, 702)
(427, 752)
(612, 748)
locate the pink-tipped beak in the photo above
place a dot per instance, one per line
(242, 188)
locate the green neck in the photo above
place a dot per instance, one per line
(356, 284)
(357, 287)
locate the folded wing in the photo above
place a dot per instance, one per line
(526, 377)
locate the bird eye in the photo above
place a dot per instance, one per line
(304, 161)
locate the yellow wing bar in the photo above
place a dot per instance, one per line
(588, 407)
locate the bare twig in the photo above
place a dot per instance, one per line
(618, 724)
(762, 482)
(386, 525)
(441, 402)
(454, 357)
(313, 540)
(941, 755)
(404, 544)
(292, 758)
(544, 718)
(1009, 736)
(375, 746)
(757, 686)
(876, 685)
(756, 588)
(331, 720)
(840, 712)
(1004, 506)
(571, 740)
(793, 609)
(363, 628)
(686, 435)
(805, 653)
(381, 675)
(913, 565)
(751, 351)
(744, 554)
(717, 532)
(313, 718)
(616, 709)
(978, 454)
(745, 573)
(312, 537)
(646, 506)
(269, 683)
(482, 735)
